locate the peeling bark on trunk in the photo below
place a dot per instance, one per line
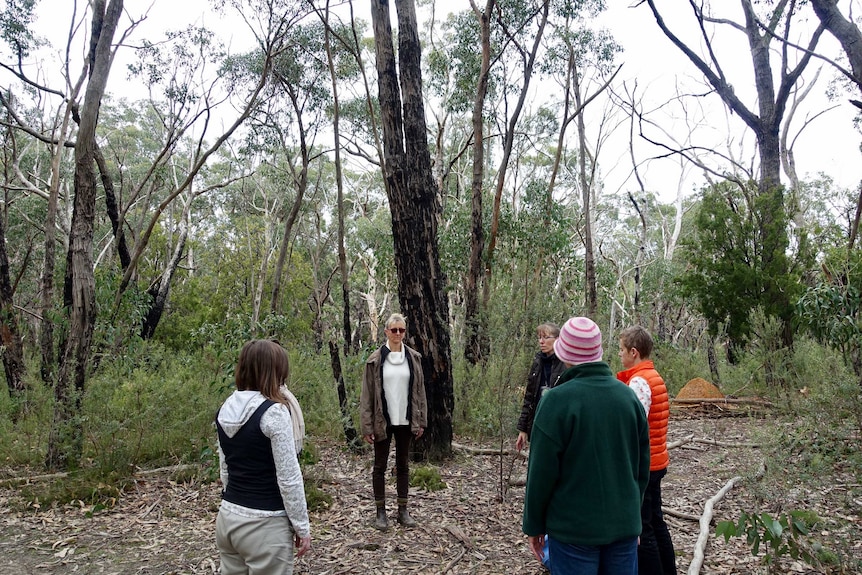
(65, 442)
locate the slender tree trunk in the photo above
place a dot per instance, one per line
(415, 210)
(13, 354)
(160, 291)
(472, 322)
(113, 210)
(592, 295)
(639, 257)
(342, 254)
(508, 142)
(65, 441)
(346, 414)
(301, 182)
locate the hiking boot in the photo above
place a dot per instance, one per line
(404, 517)
(381, 522)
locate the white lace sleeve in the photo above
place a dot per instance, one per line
(642, 389)
(276, 425)
(222, 465)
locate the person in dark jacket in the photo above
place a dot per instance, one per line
(589, 463)
(544, 374)
(392, 406)
(263, 517)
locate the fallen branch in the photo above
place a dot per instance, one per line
(680, 514)
(693, 439)
(453, 562)
(705, 520)
(141, 472)
(680, 442)
(726, 443)
(487, 451)
(728, 400)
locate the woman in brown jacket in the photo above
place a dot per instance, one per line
(393, 405)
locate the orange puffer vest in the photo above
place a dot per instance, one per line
(659, 411)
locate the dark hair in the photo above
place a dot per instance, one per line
(638, 338)
(263, 366)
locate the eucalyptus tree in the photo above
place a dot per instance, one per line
(65, 442)
(415, 211)
(773, 91)
(581, 59)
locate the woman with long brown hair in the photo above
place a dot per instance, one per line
(263, 515)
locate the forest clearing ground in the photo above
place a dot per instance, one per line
(162, 527)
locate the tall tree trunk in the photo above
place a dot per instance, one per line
(342, 254)
(301, 183)
(592, 295)
(770, 206)
(508, 142)
(13, 355)
(65, 441)
(415, 211)
(472, 323)
(113, 210)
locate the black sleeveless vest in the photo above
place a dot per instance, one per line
(251, 469)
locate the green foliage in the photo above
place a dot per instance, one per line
(783, 535)
(426, 477)
(831, 309)
(153, 407)
(96, 488)
(316, 498)
(738, 259)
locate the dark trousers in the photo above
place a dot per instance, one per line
(402, 435)
(655, 552)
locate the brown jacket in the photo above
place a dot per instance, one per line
(374, 418)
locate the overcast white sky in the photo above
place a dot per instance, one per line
(830, 144)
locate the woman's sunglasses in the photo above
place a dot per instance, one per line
(398, 329)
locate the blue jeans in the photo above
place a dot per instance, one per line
(617, 558)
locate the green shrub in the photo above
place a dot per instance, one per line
(427, 478)
(786, 534)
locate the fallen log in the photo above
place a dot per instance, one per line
(63, 474)
(728, 400)
(487, 451)
(705, 521)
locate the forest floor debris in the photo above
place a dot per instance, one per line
(163, 527)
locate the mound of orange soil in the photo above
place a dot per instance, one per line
(699, 388)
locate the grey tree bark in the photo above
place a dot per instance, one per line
(65, 441)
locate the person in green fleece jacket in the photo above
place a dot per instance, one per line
(589, 463)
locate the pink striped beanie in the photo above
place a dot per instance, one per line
(580, 341)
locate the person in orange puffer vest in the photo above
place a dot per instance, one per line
(655, 551)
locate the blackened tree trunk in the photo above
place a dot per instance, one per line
(113, 210)
(13, 355)
(346, 419)
(65, 441)
(161, 289)
(415, 211)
